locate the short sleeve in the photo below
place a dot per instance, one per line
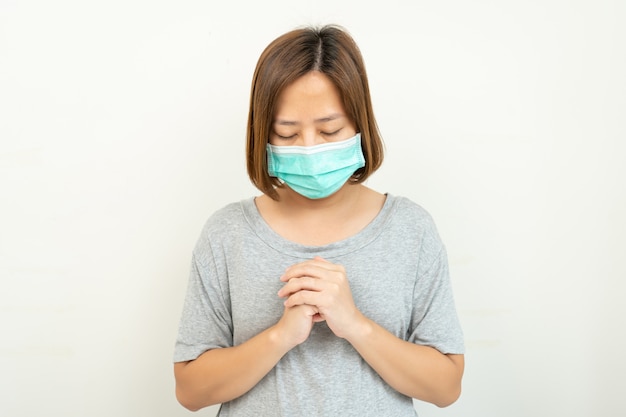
(206, 321)
(434, 320)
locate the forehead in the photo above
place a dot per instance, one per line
(313, 96)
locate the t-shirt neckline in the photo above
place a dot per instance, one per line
(332, 250)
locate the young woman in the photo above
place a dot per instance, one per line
(321, 296)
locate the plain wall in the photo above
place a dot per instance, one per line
(122, 128)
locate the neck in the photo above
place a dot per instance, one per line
(322, 221)
(345, 198)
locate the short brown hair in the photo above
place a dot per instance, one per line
(331, 51)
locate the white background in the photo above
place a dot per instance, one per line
(122, 129)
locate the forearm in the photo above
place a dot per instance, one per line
(417, 371)
(220, 375)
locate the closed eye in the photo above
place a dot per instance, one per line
(284, 137)
(331, 133)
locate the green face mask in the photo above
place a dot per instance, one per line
(316, 171)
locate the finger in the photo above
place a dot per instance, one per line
(311, 311)
(308, 310)
(312, 268)
(318, 318)
(298, 284)
(303, 297)
(297, 270)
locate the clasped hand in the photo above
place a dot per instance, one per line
(317, 290)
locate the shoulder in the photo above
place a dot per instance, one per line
(222, 225)
(414, 225)
(412, 214)
(225, 217)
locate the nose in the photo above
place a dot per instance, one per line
(311, 138)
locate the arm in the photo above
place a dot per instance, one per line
(223, 374)
(417, 371)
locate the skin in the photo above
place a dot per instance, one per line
(310, 112)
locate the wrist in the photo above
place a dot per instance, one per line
(361, 331)
(278, 339)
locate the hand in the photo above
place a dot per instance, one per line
(323, 285)
(294, 327)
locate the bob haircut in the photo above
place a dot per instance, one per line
(331, 51)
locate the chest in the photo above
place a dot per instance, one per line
(381, 288)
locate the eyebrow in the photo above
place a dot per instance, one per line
(328, 118)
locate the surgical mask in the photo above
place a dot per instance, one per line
(316, 171)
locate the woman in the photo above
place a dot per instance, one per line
(321, 296)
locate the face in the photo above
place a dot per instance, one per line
(310, 112)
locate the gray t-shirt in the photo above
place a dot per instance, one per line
(398, 274)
